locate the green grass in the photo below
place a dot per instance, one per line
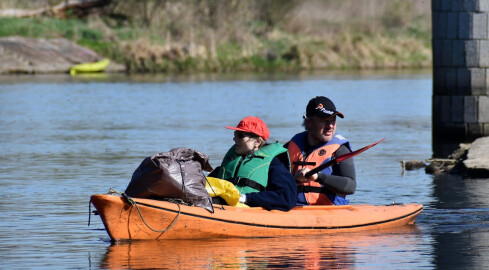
(42, 27)
(72, 29)
(277, 51)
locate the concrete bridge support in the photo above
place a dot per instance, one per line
(460, 70)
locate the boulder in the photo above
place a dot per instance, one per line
(477, 162)
(33, 55)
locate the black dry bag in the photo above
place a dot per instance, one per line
(173, 174)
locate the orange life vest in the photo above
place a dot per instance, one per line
(319, 155)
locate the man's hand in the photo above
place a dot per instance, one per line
(301, 178)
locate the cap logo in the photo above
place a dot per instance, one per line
(321, 108)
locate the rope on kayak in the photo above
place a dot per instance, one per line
(134, 203)
(215, 195)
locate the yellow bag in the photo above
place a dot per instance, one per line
(224, 189)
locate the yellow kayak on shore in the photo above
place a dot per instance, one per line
(91, 67)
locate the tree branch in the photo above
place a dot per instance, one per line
(80, 7)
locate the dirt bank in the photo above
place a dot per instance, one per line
(33, 56)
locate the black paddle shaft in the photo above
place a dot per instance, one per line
(321, 167)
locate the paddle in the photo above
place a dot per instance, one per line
(338, 159)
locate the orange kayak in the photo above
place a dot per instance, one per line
(153, 219)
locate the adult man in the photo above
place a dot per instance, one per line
(317, 145)
(259, 170)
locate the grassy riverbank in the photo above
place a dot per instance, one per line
(206, 35)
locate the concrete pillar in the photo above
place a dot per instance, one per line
(460, 70)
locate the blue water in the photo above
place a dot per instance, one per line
(65, 138)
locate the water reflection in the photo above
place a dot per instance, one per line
(376, 250)
(456, 192)
(459, 222)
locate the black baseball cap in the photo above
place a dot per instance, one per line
(323, 107)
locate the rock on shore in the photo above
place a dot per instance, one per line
(470, 159)
(477, 162)
(32, 55)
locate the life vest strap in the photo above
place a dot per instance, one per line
(304, 163)
(241, 181)
(305, 189)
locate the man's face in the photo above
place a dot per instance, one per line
(321, 129)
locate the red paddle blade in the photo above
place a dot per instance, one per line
(339, 159)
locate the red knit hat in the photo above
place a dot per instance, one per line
(253, 125)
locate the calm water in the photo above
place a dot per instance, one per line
(63, 139)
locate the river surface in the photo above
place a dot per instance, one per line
(65, 138)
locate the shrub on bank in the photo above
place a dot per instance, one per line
(182, 36)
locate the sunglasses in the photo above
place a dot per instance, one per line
(241, 134)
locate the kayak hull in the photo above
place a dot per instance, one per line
(158, 220)
(90, 67)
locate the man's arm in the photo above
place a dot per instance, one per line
(343, 178)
